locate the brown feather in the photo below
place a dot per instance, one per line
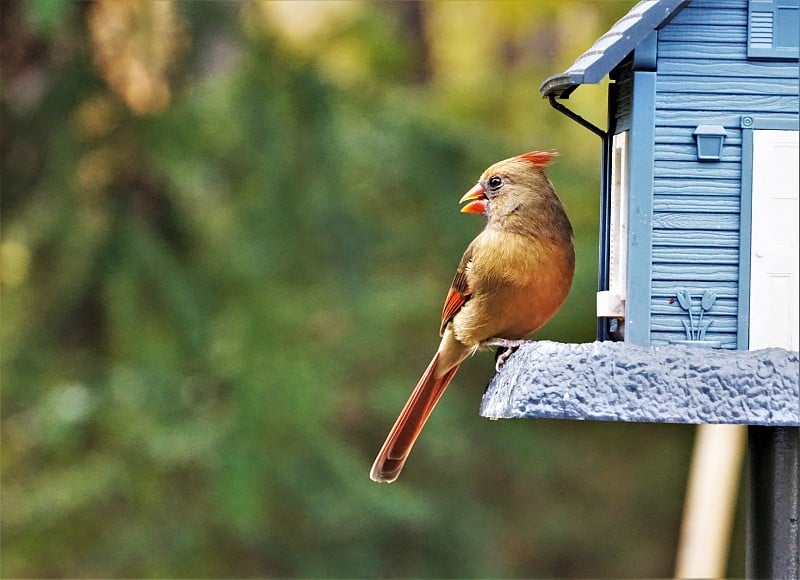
(415, 413)
(511, 280)
(459, 291)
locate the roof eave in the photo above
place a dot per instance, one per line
(560, 86)
(607, 52)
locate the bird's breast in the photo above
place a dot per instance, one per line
(518, 283)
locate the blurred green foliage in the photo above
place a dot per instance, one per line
(227, 233)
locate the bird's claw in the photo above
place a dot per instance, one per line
(502, 356)
(508, 347)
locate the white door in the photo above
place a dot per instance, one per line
(774, 290)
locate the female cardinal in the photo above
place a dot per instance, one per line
(511, 280)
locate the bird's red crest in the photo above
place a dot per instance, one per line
(539, 158)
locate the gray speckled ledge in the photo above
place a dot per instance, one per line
(615, 381)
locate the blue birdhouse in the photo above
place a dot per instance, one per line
(697, 302)
(698, 246)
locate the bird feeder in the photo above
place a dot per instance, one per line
(698, 262)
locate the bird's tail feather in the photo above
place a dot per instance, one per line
(412, 418)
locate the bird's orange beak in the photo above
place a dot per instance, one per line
(477, 200)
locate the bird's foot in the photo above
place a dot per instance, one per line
(505, 348)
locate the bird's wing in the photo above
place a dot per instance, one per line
(459, 291)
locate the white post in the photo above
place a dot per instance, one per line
(710, 501)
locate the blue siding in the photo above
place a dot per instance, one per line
(704, 77)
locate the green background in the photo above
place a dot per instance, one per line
(227, 232)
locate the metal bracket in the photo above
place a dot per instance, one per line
(576, 117)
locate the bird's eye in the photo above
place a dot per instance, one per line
(495, 182)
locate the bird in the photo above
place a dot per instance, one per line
(513, 278)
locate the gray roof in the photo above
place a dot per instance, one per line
(609, 50)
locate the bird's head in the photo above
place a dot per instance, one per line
(508, 183)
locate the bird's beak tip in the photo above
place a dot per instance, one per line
(477, 198)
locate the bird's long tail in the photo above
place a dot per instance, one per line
(412, 418)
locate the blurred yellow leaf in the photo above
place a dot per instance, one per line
(15, 261)
(135, 44)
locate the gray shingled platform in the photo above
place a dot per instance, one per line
(615, 381)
